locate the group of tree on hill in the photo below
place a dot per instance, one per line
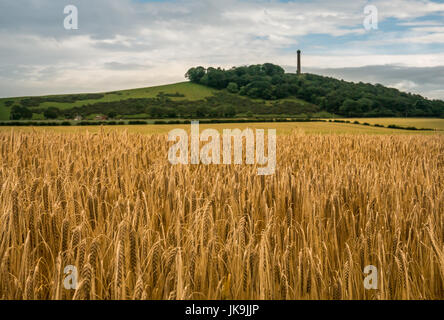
(220, 105)
(270, 82)
(69, 98)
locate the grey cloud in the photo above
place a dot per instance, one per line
(126, 66)
(426, 81)
(98, 18)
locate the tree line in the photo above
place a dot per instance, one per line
(221, 105)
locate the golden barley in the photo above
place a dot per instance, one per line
(137, 227)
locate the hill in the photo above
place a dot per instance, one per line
(68, 104)
(258, 90)
(270, 82)
(180, 100)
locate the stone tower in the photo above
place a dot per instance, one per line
(299, 61)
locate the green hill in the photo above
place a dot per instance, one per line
(176, 92)
(258, 90)
(180, 100)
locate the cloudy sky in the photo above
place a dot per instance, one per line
(122, 44)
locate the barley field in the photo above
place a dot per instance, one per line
(282, 128)
(136, 227)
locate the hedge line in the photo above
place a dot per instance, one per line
(58, 124)
(142, 122)
(392, 126)
(205, 121)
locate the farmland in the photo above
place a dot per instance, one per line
(282, 128)
(428, 123)
(107, 202)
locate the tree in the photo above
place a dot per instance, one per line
(230, 112)
(112, 114)
(202, 111)
(422, 104)
(18, 113)
(195, 74)
(281, 91)
(271, 69)
(350, 108)
(260, 89)
(233, 87)
(215, 112)
(51, 113)
(155, 112)
(171, 113)
(215, 78)
(365, 104)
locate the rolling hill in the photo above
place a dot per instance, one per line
(190, 91)
(180, 100)
(253, 91)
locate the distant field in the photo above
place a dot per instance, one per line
(282, 128)
(190, 90)
(427, 123)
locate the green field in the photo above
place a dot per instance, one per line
(4, 111)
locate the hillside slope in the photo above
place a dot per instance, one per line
(180, 100)
(190, 91)
(253, 91)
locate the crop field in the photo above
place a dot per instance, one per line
(419, 123)
(108, 203)
(282, 128)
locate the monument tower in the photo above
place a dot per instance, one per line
(299, 61)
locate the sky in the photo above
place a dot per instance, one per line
(124, 44)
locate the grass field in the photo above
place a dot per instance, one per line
(4, 111)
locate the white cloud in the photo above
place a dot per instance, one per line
(407, 9)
